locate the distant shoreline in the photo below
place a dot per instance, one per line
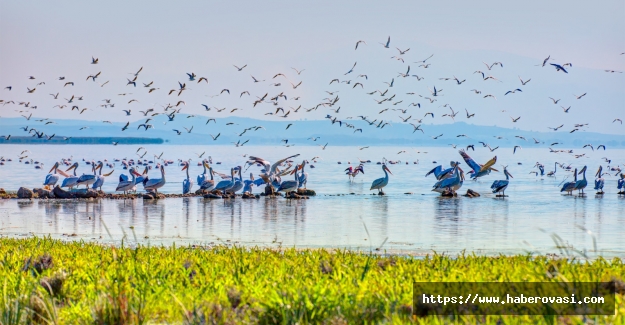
(82, 140)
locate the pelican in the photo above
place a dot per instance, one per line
(582, 183)
(155, 183)
(570, 186)
(450, 184)
(380, 183)
(248, 184)
(125, 184)
(226, 184)
(621, 185)
(290, 186)
(188, 182)
(501, 185)
(599, 181)
(553, 173)
(72, 180)
(238, 183)
(52, 179)
(88, 179)
(440, 174)
(101, 178)
(478, 170)
(303, 176)
(271, 171)
(203, 176)
(207, 184)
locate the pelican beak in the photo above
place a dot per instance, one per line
(388, 170)
(145, 171)
(205, 164)
(510, 175)
(185, 167)
(56, 165)
(109, 174)
(98, 167)
(135, 173)
(71, 167)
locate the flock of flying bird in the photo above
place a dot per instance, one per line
(449, 180)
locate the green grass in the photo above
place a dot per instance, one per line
(48, 281)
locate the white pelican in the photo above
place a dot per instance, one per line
(52, 179)
(570, 186)
(203, 176)
(208, 184)
(127, 185)
(599, 182)
(381, 182)
(72, 180)
(101, 178)
(581, 184)
(238, 183)
(88, 179)
(290, 186)
(226, 184)
(188, 182)
(452, 183)
(155, 183)
(501, 185)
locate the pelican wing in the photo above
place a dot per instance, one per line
(279, 162)
(488, 164)
(436, 171)
(476, 168)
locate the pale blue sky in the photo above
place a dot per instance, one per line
(48, 39)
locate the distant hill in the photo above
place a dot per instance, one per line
(80, 140)
(231, 129)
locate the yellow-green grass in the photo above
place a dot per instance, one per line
(54, 282)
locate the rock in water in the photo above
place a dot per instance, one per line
(60, 193)
(24, 193)
(212, 196)
(472, 193)
(43, 193)
(269, 190)
(89, 193)
(306, 192)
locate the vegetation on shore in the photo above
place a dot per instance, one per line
(46, 281)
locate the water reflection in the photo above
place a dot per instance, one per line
(413, 223)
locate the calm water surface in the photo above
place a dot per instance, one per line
(420, 222)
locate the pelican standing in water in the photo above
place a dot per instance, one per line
(207, 184)
(303, 176)
(581, 184)
(53, 178)
(620, 185)
(126, 185)
(203, 176)
(101, 178)
(72, 180)
(380, 183)
(290, 186)
(226, 184)
(187, 183)
(155, 183)
(570, 186)
(238, 183)
(88, 179)
(599, 182)
(501, 185)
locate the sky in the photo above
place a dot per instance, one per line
(48, 39)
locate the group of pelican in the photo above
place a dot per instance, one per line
(96, 179)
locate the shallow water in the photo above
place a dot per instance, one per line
(415, 223)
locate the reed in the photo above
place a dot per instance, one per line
(46, 281)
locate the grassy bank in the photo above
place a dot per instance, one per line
(52, 282)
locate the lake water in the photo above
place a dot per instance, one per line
(416, 223)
